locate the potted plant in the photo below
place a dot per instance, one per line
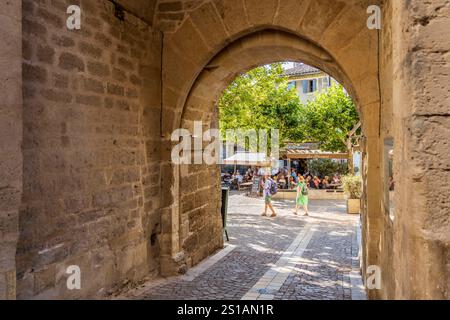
(352, 187)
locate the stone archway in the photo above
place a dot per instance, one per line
(242, 55)
(191, 240)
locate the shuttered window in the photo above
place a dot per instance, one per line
(309, 86)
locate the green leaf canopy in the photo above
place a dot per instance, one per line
(262, 99)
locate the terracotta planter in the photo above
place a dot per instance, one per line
(353, 206)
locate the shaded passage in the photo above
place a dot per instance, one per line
(290, 257)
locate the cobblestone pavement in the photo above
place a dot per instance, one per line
(290, 257)
(326, 263)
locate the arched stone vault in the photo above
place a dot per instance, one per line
(205, 54)
(257, 49)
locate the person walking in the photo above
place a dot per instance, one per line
(267, 193)
(302, 196)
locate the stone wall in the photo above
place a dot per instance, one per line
(386, 132)
(91, 148)
(413, 246)
(10, 142)
(201, 224)
(421, 99)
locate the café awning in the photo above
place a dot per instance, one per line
(310, 151)
(248, 159)
(315, 154)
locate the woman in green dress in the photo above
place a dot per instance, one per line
(302, 196)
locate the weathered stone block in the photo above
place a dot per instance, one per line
(115, 89)
(228, 11)
(187, 204)
(93, 85)
(56, 96)
(69, 61)
(34, 73)
(44, 279)
(290, 15)
(189, 184)
(261, 12)
(170, 6)
(88, 100)
(190, 243)
(50, 18)
(209, 23)
(430, 142)
(34, 28)
(60, 81)
(62, 41)
(88, 49)
(119, 75)
(125, 63)
(45, 54)
(98, 69)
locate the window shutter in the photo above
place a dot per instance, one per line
(291, 85)
(305, 86)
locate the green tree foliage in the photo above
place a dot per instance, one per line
(328, 119)
(262, 99)
(326, 167)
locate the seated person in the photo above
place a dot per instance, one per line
(311, 183)
(316, 182)
(325, 183)
(238, 180)
(336, 179)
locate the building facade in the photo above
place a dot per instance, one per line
(308, 81)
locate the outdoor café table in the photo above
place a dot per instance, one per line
(246, 185)
(334, 185)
